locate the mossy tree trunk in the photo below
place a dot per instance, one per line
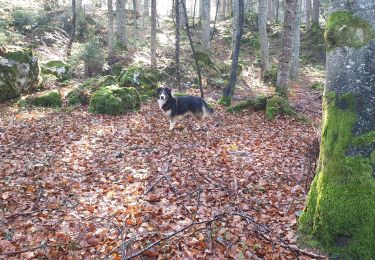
(340, 210)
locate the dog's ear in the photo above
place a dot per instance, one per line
(169, 91)
(158, 91)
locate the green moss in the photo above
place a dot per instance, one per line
(372, 157)
(364, 140)
(113, 100)
(340, 207)
(78, 96)
(317, 86)
(270, 76)
(279, 105)
(19, 55)
(345, 29)
(255, 103)
(57, 68)
(251, 39)
(48, 99)
(179, 94)
(225, 101)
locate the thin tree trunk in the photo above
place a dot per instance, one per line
(206, 33)
(195, 5)
(193, 51)
(263, 37)
(223, 5)
(315, 11)
(294, 67)
(308, 14)
(213, 30)
(177, 44)
(277, 10)
(73, 30)
(146, 8)
(283, 71)
(182, 17)
(229, 90)
(153, 34)
(235, 9)
(110, 30)
(79, 6)
(121, 23)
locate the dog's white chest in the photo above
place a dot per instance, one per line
(161, 103)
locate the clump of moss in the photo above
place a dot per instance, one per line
(317, 86)
(47, 99)
(279, 105)
(251, 40)
(372, 157)
(255, 103)
(340, 209)
(365, 139)
(270, 75)
(78, 96)
(313, 49)
(57, 68)
(114, 100)
(345, 29)
(225, 101)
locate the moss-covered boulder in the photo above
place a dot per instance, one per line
(19, 72)
(78, 96)
(255, 103)
(47, 99)
(57, 68)
(115, 100)
(145, 80)
(279, 105)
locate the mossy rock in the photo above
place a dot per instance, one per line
(279, 105)
(78, 96)
(114, 100)
(317, 86)
(19, 73)
(255, 103)
(95, 84)
(57, 68)
(343, 29)
(47, 99)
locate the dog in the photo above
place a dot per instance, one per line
(177, 107)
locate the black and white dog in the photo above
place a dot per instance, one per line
(177, 107)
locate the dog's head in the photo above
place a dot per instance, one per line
(164, 93)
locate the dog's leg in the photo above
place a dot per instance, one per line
(172, 124)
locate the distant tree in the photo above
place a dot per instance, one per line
(177, 44)
(308, 14)
(137, 15)
(228, 91)
(340, 209)
(73, 29)
(235, 9)
(222, 9)
(146, 8)
(263, 37)
(110, 30)
(121, 23)
(182, 17)
(206, 29)
(315, 12)
(201, 8)
(153, 33)
(282, 83)
(294, 67)
(79, 6)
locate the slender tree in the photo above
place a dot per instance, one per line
(263, 37)
(216, 12)
(121, 23)
(228, 91)
(73, 29)
(153, 33)
(146, 7)
(235, 9)
(308, 14)
(182, 17)
(206, 33)
(315, 12)
(177, 44)
(294, 67)
(110, 30)
(340, 210)
(193, 50)
(222, 7)
(282, 83)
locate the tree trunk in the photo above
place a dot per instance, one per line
(223, 5)
(226, 99)
(73, 30)
(110, 30)
(216, 12)
(315, 11)
(153, 33)
(277, 10)
(193, 51)
(308, 15)
(177, 44)
(182, 17)
(286, 49)
(121, 23)
(229, 8)
(206, 32)
(340, 210)
(294, 67)
(137, 20)
(235, 27)
(201, 9)
(263, 37)
(146, 8)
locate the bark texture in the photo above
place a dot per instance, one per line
(308, 14)
(153, 34)
(121, 23)
(110, 29)
(206, 32)
(146, 7)
(177, 44)
(315, 11)
(294, 67)
(340, 210)
(263, 37)
(282, 84)
(73, 30)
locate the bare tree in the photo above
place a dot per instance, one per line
(308, 14)
(263, 37)
(228, 91)
(73, 30)
(177, 44)
(282, 83)
(222, 7)
(315, 12)
(110, 30)
(153, 33)
(146, 8)
(294, 67)
(121, 23)
(206, 32)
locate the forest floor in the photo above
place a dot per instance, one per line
(76, 185)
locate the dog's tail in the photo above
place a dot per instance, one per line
(207, 110)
